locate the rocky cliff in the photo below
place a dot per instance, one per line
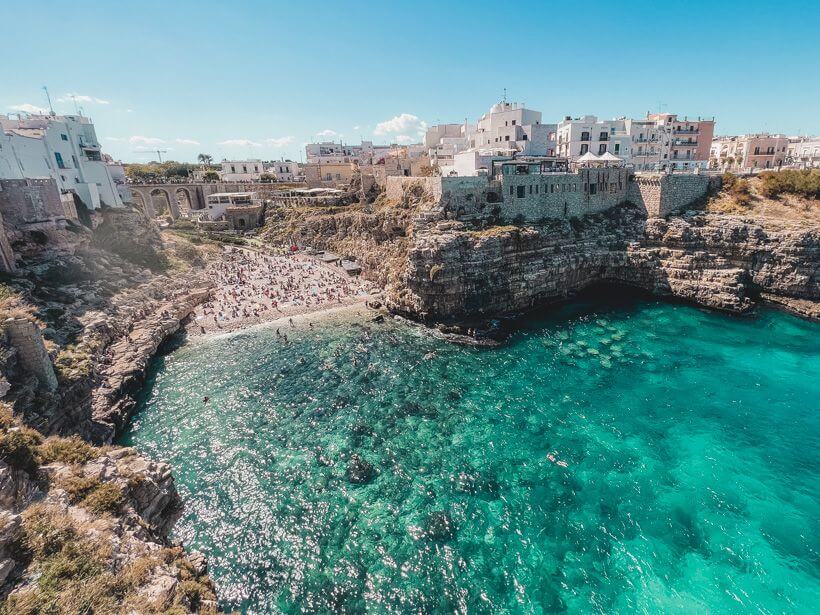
(723, 262)
(85, 529)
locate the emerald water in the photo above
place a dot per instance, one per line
(685, 471)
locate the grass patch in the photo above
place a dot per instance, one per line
(18, 446)
(66, 450)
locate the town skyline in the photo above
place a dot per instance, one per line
(354, 75)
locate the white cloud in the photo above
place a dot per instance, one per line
(327, 133)
(114, 139)
(83, 98)
(404, 139)
(404, 123)
(240, 143)
(129, 111)
(280, 141)
(186, 141)
(139, 139)
(356, 127)
(28, 108)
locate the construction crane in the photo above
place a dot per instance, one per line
(158, 152)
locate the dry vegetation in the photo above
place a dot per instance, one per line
(785, 195)
(70, 566)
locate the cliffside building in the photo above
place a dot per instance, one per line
(658, 142)
(749, 152)
(444, 141)
(61, 147)
(577, 136)
(803, 152)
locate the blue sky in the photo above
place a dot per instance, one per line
(259, 79)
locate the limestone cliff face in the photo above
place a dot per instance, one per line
(723, 262)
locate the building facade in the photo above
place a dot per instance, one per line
(689, 141)
(283, 170)
(749, 152)
(577, 136)
(803, 152)
(242, 170)
(64, 148)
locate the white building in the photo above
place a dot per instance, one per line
(505, 131)
(513, 127)
(577, 136)
(367, 153)
(242, 170)
(282, 170)
(63, 147)
(649, 144)
(804, 152)
(217, 204)
(444, 141)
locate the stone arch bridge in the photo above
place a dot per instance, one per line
(155, 197)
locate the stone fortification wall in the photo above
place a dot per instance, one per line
(397, 186)
(482, 201)
(660, 194)
(30, 201)
(533, 198)
(32, 355)
(7, 262)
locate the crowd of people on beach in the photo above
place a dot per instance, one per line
(254, 287)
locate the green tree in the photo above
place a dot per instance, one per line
(205, 159)
(211, 176)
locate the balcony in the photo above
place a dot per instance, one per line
(686, 132)
(682, 143)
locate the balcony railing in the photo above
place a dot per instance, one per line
(685, 132)
(680, 143)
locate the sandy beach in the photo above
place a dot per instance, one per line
(251, 288)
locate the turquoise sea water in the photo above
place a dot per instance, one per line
(689, 474)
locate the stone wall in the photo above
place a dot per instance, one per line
(661, 194)
(28, 201)
(7, 263)
(24, 336)
(397, 186)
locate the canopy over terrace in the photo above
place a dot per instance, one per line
(588, 159)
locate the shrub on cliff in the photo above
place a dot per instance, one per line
(66, 450)
(804, 183)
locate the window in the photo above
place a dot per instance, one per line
(511, 190)
(618, 148)
(530, 188)
(584, 148)
(507, 138)
(513, 122)
(59, 158)
(520, 192)
(593, 188)
(233, 169)
(603, 136)
(524, 137)
(601, 148)
(64, 137)
(585, 136)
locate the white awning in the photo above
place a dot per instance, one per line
(588, 157)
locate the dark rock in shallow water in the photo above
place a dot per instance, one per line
(359, 471)
(361, 429)
(439, 525)
(413, 409)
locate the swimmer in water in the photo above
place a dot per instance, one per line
(205, 399)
